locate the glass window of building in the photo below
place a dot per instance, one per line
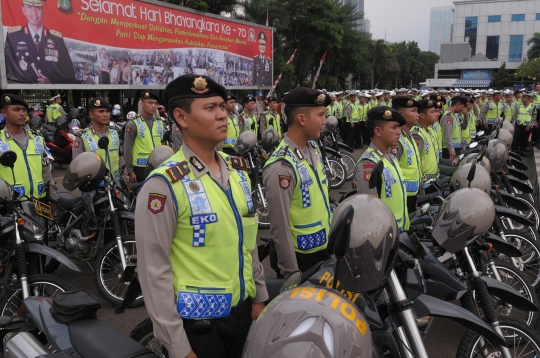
(537, 16)
(492, 47)
(471, 30)
(516, 48)
(518, 17)
(494, 18)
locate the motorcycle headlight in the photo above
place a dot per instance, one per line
(38, 232)
(123, 200)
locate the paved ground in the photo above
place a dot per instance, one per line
(441, 341)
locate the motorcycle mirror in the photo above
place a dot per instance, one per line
(8, 159)
(292, 281)
(479, 134)
(472, 172)
(103, 143)
(375, 179)
(461, 156)
(481, 154)
(473, 145)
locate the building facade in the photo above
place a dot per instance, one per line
(440, 27)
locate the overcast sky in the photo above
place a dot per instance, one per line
(406, 20)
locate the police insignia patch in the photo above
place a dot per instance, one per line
(299, 154)
(178, 171)
(367, 176)
(196, 163)
(200, 86)
(239, 163)
(156, 203)
(284, 181)
(128, 129)
(394, 151)
(76, 144)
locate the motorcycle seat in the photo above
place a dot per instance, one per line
(68, 200)
(135, 186)
(93, 338)
(49, 128)
(446, 170)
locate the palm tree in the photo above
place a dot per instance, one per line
(534, 50)
(378, 56)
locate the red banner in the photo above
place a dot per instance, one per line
(123, 42)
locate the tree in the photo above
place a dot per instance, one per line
(377, 57)
(529, 70)
(534, 50)
(502, 78)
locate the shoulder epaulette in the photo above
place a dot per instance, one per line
(313, 145)
(14, 29)
(178, 171)
(55, 33)
(282, 151)
(415, 130)
(239, 163)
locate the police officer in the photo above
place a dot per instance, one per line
(361, 133)
(509, 106)
(32, 167)
(297, 187)
(271, 118)
(248, 117)
(524, 117)
(427, 140)
(491, 111)
(262, 66)
(55, 110)
(384, 126)
(99, 111)
(451, 126)
(469, 132)
(406, 151)
(196, 232)
(350, 111)
(331, 108)
(176, 137)
(233, 128)
(35, 54)
(142, 135)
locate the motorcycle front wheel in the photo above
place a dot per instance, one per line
(529, 262)
(144, 335)
(109, 271)
(522, 341)
(336, 174)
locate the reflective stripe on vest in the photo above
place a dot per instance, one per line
(146, 140)
(362, 112)
(524, 116)
(410, 165)
(354, 112)
(250, 123)
(112, 156)
(456, 131)
(233, 131)
(429, 157)
(494, 111)
(275, 125)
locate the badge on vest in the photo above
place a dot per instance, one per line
(240, 163)
(156, 203)
(199, 305)
(178, 171)
(284, 181)
(299, 154)
(196, 163)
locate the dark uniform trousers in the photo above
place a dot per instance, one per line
(139, 173)
(305, 261)
(446, 153)
(220, 337)
(520, 138)
(363, 136)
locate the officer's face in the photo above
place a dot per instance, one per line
(250, 106)
(315, 121)
(206, 122)
(15, 114)
(526, 100)
(230, 104)
(431, 115)
(34, 15)
(389, 133)
(262, 47)
(497, 97)
(273, 105)
(100, 116)
(149, 106)
(411, 115)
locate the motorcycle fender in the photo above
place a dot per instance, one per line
(517, 164)
(515, 156)
(430, 306)
(47, 251)
(511, 214)
(512, 202)
(508, 294)
(502, 246)
(126, 215)
(518, 174)
(520, 185)
(345, 146)
(332, 152)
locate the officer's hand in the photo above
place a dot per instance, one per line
(53, 208)
(132, 178)
(452, 155)
(43, 80)
(256, 310)
(528, 128)
(352, 125)
(191, 355)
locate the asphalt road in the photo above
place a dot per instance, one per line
(441, 340)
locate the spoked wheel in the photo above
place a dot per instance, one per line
(109, 271)
(522, 342)
(264, 221)
(531, 214)
(41, 285)
(336, 174)
(348, 163)
(144, 334)
(529, 262)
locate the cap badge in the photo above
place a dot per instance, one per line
(430, 104)
(147, 95)
(439, 98)
(229, 97)
(97, 103)
(321, 99)
(410, 103)
(7, 99)
(387, 115)
(200, 86)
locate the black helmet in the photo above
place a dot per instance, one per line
(373, 243)
(246, 140)
(35, 122)
(61, 121)
(74, 113)
(464, 214)
(157, 157)
(295, 324)
(85, 172)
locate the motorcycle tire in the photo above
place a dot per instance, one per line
(512, 276)
(264, 221)
(42, 285)
(522, 342)
(348, 163)
(532, 214)
(109, 270)
(336, 179)
(529, 262)
(144, 335)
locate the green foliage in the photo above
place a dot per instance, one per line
(529, 70)
(534, 50)
(502, 78)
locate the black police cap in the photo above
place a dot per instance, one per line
(231, 96)
(193, 86)
(405, 102)
(149, 95)
(306, 97)
(248, 98)
(427, 104)
(273, 99)
(99, 102)
(458, 99)
(13, 99)
(382, 113)
(438, 98)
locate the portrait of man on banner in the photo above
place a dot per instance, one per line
(262, 65)
(35, 54)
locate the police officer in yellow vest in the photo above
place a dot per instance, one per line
(233, 128)
(297, 187)
(451, 126)
(361, 134)
(469, 133)
(142, 135)
(427, 140)
(509, 106)
(99, 111)
(491, 111)
(350, 110)
(31, 169)
(524, 117)
(384, 126)
(271, 118)
(248, 117)
(196, 232)
(406, 151)
(55, 110)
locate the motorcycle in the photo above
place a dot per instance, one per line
(346, 160)
(59, 141)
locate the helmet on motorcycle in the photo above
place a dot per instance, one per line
(464, 214)
(35, 122)
(331, 123)
(497, 153)
(6, 191)
(61, 121)
(481, 180)
(74, 113)
(269, 139)
(508, 126)
(117, 106)
(85, 172)
(373, 243)
(507, 137)
(2, 121)
(245, 142)
(157, 157)
(474, 156)
(131, 115)
(115, 113)
(295, 324)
